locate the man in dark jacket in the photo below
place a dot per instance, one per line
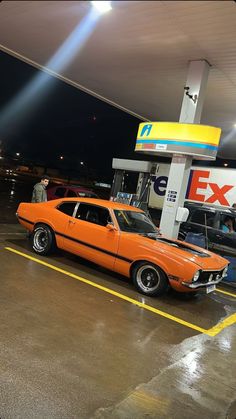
(39, 191)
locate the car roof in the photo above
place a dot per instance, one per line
(96, 201)
(199, 205)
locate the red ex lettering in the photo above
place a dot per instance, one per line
(218, 192)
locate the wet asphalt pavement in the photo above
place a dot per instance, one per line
(71, 351)
(13, 190)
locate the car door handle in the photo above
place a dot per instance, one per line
(71, 222)
(218, 236)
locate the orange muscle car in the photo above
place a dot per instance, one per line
(123, 239)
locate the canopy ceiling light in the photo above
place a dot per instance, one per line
(102, 6)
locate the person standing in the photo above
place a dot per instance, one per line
(39, 191)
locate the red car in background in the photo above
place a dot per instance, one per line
(67, 191)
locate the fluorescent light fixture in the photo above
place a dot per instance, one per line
(102, 6)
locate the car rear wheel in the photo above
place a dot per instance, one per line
(43, 240)
(149, 279)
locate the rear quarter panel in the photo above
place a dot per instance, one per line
(30, 214)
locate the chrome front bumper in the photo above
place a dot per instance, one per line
(194, 285)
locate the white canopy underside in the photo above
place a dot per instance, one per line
(137, 55)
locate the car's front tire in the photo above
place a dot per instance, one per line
(149, 279)
(42, 240)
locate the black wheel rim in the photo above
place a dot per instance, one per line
(40, 240)
(148, 278)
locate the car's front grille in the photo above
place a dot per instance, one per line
(206, 279)
(209, 276)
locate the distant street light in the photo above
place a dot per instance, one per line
(225, 164)
(17, 154)
(82, 163)
(61, 157)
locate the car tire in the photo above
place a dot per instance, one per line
(149, 279)
(43, 240)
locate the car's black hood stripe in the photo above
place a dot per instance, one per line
(93, 247)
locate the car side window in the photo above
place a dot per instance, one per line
(203, 218)
(60, 192)
(93, 214)
(71, 193)
(67, 208)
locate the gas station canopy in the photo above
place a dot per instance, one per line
(136, 56)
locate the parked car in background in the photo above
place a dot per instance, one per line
(68, 191)
(210, 221)
(123, 239)
(212, 227)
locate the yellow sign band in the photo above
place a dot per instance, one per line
(179, 132)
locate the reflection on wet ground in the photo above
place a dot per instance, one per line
(203, 310)
(13, 190)
(75, 348)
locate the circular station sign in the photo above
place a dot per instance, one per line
(168, 138)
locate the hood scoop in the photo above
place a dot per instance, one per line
(184, 247)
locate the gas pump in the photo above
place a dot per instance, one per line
(145, 170)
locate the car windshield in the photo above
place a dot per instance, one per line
(135, 222)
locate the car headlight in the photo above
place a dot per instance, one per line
(196, 276)
(224, 274)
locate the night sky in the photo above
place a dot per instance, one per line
(60, 120)
(63, 121)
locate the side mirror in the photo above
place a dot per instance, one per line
(182, 214)
(111, 227)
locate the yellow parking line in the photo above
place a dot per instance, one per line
(211, 332)
(222, 325)
(226, 292)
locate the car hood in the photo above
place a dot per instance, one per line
(186, 251)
